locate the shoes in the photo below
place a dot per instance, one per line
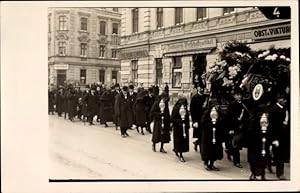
(105, 124)
(238, 165)
(176, 153)
(263, 178)
(281, 177)
(126, 134)
(252, 177)
(181, 159)
(195, 146)
(149, 131)
(162, 150)
(142, 132)
(92, 124)
(153, 148)
(214, 168)
(123, 135)
(137, 129)
(270, 169)
(208, 168)
(229, 157)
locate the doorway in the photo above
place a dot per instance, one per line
(199, 68)
(61, 77)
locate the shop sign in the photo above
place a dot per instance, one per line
(136, 54)
(61, 66)
(192, 45)
(271, 32)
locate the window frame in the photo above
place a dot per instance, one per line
(159, 18)
(115, 25)
(115, 9)
(227, 13)
(62, 22)
(83, 48)
(176, 68)
(83, 24)
(203, 16)
(112, 75)
(102, 49)
(158, 76)
(62, 46)
(81, 73)
(178, 16)
(114, 52)
(134, 71)
(135, 20)
(101, 30)
(100, 71)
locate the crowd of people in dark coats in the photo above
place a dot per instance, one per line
(260, 127)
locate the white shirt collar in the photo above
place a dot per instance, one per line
(280, 106)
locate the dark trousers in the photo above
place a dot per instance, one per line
(234, 152)
(148, 123)
(123, 130)
(90, 118)
(278, 161)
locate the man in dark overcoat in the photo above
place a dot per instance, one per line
(279, 131)
(106, 108)
(115, 91)
(235, 120)
(140, 111)
(123, 111)
(59, 101)
(51, 101)
(72, 102)
(149, 99)
(197, 109)
(92, 107)
(132, 96)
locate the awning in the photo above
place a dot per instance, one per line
(266, 45)
(190, 52)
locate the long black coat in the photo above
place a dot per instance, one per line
(149, 100)
(140, 111)
(279, 131)
(51, 101)
(197, 111)
(92, 104)
(236, 119)
(123, 111)
(72, 101)
(59, 102)
(254, 142)
(132, 99)
(160, 134)
(106, 108)
(181, 143)
(208, 150)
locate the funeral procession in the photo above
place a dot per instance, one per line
(198, 93)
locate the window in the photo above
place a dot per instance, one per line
(82, 76)
(201, 13)
(102, 27)
(114, 76)
(115, 9)
(113, 53)
(115, 28)
(159, 17)
(101, 51)
(176, 72)
(135, 20)
(101, 76)
(62, 23)
(178, 16)
(83, 49)
(134, 71)
(83, 25)
(228, 10)
(62, 48)
(159, 68)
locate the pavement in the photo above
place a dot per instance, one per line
(80, 151)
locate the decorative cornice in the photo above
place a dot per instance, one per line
(102, 39)
(83, 38)
(84, 14)
(62, 11)
(62, 36)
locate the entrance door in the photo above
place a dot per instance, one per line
(199, 67)
(61, 77)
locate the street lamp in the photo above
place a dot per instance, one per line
(162, 108)
(182, 112)
(264, 123)
(214, 116)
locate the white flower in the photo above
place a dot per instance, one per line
(287, 59)
(269, 57)
(274, 56)
(282, 57)
(267, 52)
(238, 53)
(260, 55)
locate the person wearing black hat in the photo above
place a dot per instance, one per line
(51, 101)
(161, 115)
(211, 136)
(106, 108)
(181, 126)
(92, 101)
(279, 131)
(197, 109)
(123, 111)
(115, 92)
(132, 96)
(140, 111)
(59, 101)
(235, 121)
(149, 99)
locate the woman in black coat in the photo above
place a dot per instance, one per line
(211, 145)
(106, 108)
(161, 132)
(180, 134)
(140, 111)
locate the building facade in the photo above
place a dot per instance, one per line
(83, 45)
(176, 45)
